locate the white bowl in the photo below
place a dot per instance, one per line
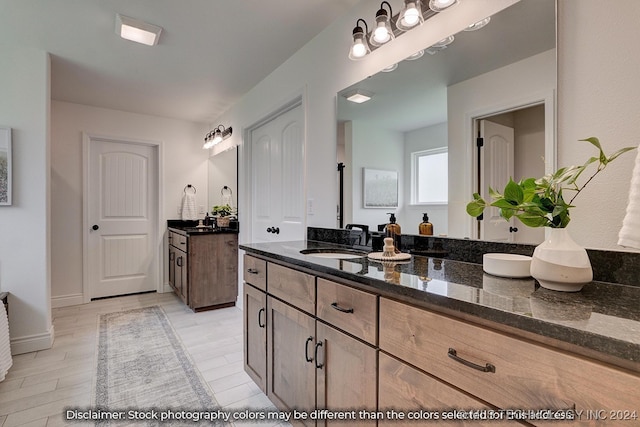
(507, 265)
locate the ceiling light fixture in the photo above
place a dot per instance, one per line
(137, 31)
(360, 46)
(440, 5)
(383, 32)
(216, 136)
(358, 96)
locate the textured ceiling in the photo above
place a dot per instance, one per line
(211, 52)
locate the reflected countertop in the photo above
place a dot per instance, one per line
(603, 319)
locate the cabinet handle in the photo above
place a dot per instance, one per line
(335, 306)
(252, 271)
(306, 350)
(172, 256)
(315, 353)
(260, 322)
(179, 261)
(486, 368)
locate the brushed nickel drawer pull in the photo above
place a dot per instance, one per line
(306, 350)
(344, 310)
(252, 271)
(487, 368)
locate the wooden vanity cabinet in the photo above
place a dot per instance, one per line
(310, 363)
(504, 371)
(203, 269)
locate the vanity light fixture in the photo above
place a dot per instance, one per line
(478, 25)
(383, 32)
(216, 136)
(358, 96)
(360, 46)
(410, 15)
(414, 13)
(137, 31)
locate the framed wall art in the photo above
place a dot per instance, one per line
(380, 188)
(5, 166)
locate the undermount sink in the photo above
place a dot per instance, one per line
(334, 253)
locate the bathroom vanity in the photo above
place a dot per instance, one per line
(433, 338)
(203, 265)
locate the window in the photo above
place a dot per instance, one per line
(430, 180)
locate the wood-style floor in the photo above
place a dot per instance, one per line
(41, 384)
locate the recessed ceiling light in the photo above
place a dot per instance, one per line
(415, 56)
(478, 25)
(358, 96)
(137, 31)
(390, 68)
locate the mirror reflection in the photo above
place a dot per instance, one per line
(222, 173)
(423, 119)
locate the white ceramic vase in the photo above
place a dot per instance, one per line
(560, 264)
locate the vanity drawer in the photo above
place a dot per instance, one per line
(293, 287)
(178, 240)
(349, 309)
(255, 272)
(526, 376)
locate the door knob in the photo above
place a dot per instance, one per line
(274, 230)
(513, 229)
(95, 227)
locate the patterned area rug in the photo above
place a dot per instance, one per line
(142, 365)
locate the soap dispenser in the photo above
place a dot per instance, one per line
(425, 228)
(392, 229)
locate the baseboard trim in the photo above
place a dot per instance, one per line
(30, 343)
(67, 300)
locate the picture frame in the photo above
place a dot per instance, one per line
(380, 188)
(5, 166)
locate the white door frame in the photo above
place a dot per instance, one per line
(87, 138)
(247, 211)
(546, 98)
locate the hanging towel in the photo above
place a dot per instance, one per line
(5, 347)
(189, 210)
(629, 235)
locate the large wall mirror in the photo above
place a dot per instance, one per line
(222, 173)
(432, 108)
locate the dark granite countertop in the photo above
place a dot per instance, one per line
(190, 228)
(603, 318)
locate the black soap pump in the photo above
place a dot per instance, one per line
(393, 230)
(425, 228)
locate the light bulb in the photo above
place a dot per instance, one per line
(440, 5)
(411, 17)
(358, 50)
(381, 34)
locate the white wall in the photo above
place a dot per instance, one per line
(373, 147)
(498, 90)
(419, 140)
(599, 96)
(24, 226)
(183, 161)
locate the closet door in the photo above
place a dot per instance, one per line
(277, 184)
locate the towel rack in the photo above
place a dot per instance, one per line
(222, 190)
(190, 186)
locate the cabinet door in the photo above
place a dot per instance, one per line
(346, 375)
(415, 394)
(172, 267)
(255, 335)
(181, 275)
(290, 365)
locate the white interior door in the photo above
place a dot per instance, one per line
(496, 169)
(122, 218)
(277, 187)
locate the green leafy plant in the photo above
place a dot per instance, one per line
(542, 202)
(222, 210)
